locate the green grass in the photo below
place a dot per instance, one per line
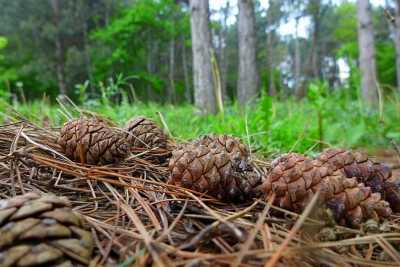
(276, 126)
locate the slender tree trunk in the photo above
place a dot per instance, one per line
(188, 92)
(88, 60)
(270, 48)
(83, 11)
(248, 76)
(151, 51)
(315, 53)
(171, 72)
(60, 64)
(223, 52)
(397, 42)
(315, 50)
(204, 94)
(299, 90)
(108, 11)
(367, 53)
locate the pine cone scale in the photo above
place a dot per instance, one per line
(39, 255)
(74, 249)
(13, 255)
(5, 214)
(46, 230)
(44, 236)
(61, 215)
(10, 231)
(30, 209)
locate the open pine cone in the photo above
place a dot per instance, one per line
(231, 145)
(295, 179)
(91, 141)
(145, 133)
(213, 171)
(377, 176)
(42, 230)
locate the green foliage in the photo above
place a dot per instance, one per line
(134, 35)
(82, 91)
(317, 94)
(6, 73)
(385, 58)
(346, 22)
(270, 126)
(3, 43)
(346, 35)
(265, 116)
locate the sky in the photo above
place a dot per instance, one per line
(287, 28)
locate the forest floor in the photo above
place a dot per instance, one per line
(138, 218)
(164, 224)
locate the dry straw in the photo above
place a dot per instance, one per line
(138, 218)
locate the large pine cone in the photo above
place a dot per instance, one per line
(213, 171)
(232, 145)
(377, 176)
(294, 179)
(91, 141)
(42, 230)
(145, 133)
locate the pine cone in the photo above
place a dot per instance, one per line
(232, 145)
(213, 171)
(375, 175)
(91, 141)
(294, 179)
(145, 133)
(42, 230)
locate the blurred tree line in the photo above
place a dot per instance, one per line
(53, 46)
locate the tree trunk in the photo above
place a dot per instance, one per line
(271, 83)
(88, 60)
(223, 52)
(152, 48)
(366, 53)
(60, 64)
(397, 42)
(204, 94)
(314, 53)
(108, 11)
(188, 91)
(248, 76)
(298, 88)
(171, 72)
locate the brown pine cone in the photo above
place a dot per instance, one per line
(90, 141)
(213, 171)
(377, 176)
(42, 230)
(230, 144)
(295, 178)
(145, 133)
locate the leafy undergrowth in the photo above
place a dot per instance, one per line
(269, 126)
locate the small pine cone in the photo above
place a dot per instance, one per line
(145, 133)
(213, 171)
(375, 175)
(90, 141)
(295, 178)
(232, 145)
(42, 230)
